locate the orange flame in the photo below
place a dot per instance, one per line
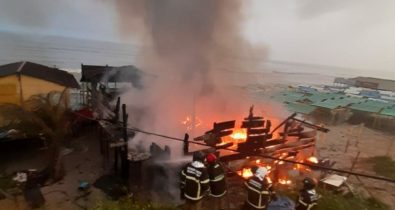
(313, 159)
(239, 134)
(245, 173)
(188, 122)
(284, 181)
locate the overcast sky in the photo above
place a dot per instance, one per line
(347, 33)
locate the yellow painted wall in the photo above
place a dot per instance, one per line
(33, 86)
(10, 87)
(9, 90)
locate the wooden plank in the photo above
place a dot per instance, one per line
(253, 124)
(224, 125)
(273, 142)
(118, 144)
(257, 138)
(253, 118)
(224, 133)
(258, 131)
(223, 146)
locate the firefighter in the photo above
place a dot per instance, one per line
(195, 181)
(259, 190)
(217, 181)
(308, 197)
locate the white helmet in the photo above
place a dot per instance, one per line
(261, 172)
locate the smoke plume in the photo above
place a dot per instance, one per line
(192, 47)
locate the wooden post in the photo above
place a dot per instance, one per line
(117, 109)
(354, 162)
(285, 130)
(347, 144)
(186, 144)
(124, 149)
(390, 148)
(359, 135)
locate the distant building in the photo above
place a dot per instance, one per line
(374, 83)
(343, 82)
(107, 80)
(19, 81)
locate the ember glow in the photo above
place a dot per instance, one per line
(188, 122)
(284, 181)
(239, 134)
(313, 159)
(245, 173)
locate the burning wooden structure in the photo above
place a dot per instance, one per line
(255, 139)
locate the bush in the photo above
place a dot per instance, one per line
(332, 201)
(127, 204)
(383, 166)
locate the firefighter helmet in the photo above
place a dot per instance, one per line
(261, 172)
(199, 156)
(211, 158)
(309, 183)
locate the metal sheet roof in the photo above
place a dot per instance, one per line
(301, 108)
(389, 111)
(339, 102)
(318, 97)
(288, 97)
(370, 106)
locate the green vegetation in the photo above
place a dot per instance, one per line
(332, 201)
(383, 166)
(6, 182)
(127, 204)
(44, 116)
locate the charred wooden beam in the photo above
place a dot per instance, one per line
(186, 144)
(224, 133)
(124, 150)
(224, 125)
(298, 148)
(236, 156)
(253, 118)
(223, 146)
(283, 122)
(117, 109)
(253, 124)
(258, 131)
(273, 142)
(257, 138)
(310, 125)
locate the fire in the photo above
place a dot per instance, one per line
(312, 159)
(245, 173)
(284, 181)
(239, 134)
(188, 122)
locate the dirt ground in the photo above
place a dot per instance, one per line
(369, 143)
(84, 163)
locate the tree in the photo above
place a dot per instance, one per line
(43, 116)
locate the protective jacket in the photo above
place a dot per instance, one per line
(307, 200)
(195, 181)
(259, 192)
(217, 180)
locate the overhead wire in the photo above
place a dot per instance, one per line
(253, 154)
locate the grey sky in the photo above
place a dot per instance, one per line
(350, 33)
